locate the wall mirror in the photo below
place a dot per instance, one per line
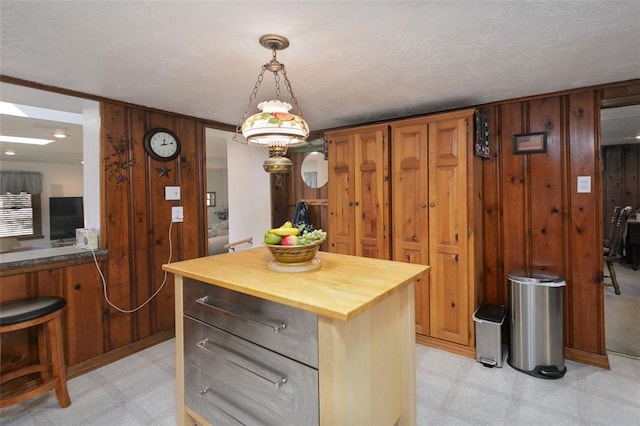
(314, 170)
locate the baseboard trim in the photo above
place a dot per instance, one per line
(597, 360)
(469, 352)
(117, 354)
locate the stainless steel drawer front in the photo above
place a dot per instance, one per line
(286, 330)
(229, 380)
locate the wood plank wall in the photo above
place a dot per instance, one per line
(621, 180)
(136, 217)
(533, 215)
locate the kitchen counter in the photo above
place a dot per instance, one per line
(341, 288)
(33, 258)
(365, 321)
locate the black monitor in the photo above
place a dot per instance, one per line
(66, 214)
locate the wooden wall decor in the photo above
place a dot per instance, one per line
(530, 143)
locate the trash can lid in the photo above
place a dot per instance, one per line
(490, 312)
(535, 276)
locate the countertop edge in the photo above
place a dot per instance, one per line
(276, 295)
(32, 258)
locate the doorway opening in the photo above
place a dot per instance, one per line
(620, 127)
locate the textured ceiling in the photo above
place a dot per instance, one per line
(349, 61)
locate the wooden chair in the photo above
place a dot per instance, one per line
(613, 243)
(44, 313)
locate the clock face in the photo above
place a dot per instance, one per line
(162, 144)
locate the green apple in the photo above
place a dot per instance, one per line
(289, 240)
(270, 238)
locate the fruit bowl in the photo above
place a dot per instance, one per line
(295, 255)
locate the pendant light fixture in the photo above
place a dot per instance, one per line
(275, 128)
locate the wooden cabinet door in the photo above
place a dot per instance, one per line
(341, 162)
(410, 212)
(358, 192)
(449, 297)
(84, 313)
(372, 193)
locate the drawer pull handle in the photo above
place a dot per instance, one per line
(276, 328)
(206, 344)
(232, 420)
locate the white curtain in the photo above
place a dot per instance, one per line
(15, 182)
(311, 179)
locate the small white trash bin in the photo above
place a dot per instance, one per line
(488, 320)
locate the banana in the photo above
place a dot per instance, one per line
(283, 232)
(287, 224)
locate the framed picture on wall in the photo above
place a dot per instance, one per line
(530, 143)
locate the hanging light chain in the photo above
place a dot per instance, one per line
(276, 77)
(293, 97)
(252, 97)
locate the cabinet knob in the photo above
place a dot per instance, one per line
(76, 287)
(432, 204)
(357, 203)
(423, 205)
(350, 203)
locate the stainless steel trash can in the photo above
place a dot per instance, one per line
(488, 319)
(536, 300)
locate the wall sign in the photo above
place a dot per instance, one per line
(530, 143)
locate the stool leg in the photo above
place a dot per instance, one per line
(43, 352)
(54, 329)
(614, 279)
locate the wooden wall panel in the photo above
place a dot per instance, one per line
(84, 313)
(631, 176)
(512, 177)
(159, 210)
(585, 264)
(545, 188)
(137, 221)
(621, 185)
(612, 183)
(116, 230)
(495, 289)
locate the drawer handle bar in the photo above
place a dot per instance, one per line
(202, 394)
(276, 328)
(276, 384)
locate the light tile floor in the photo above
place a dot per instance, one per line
(451, 390)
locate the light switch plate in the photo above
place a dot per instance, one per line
(584, 184)
(171, 192)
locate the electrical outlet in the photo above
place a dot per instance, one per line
(177, 214)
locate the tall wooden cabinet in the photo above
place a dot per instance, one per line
(359, 192)
(435, 218)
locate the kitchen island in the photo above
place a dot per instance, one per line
(331, 346)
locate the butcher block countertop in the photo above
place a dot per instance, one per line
(343, 287)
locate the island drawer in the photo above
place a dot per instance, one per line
(231, 381)
(283, 329)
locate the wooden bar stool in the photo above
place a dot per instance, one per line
(31, 312)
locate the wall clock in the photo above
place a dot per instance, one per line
(162, 144)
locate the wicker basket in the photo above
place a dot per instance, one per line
(295, 255)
